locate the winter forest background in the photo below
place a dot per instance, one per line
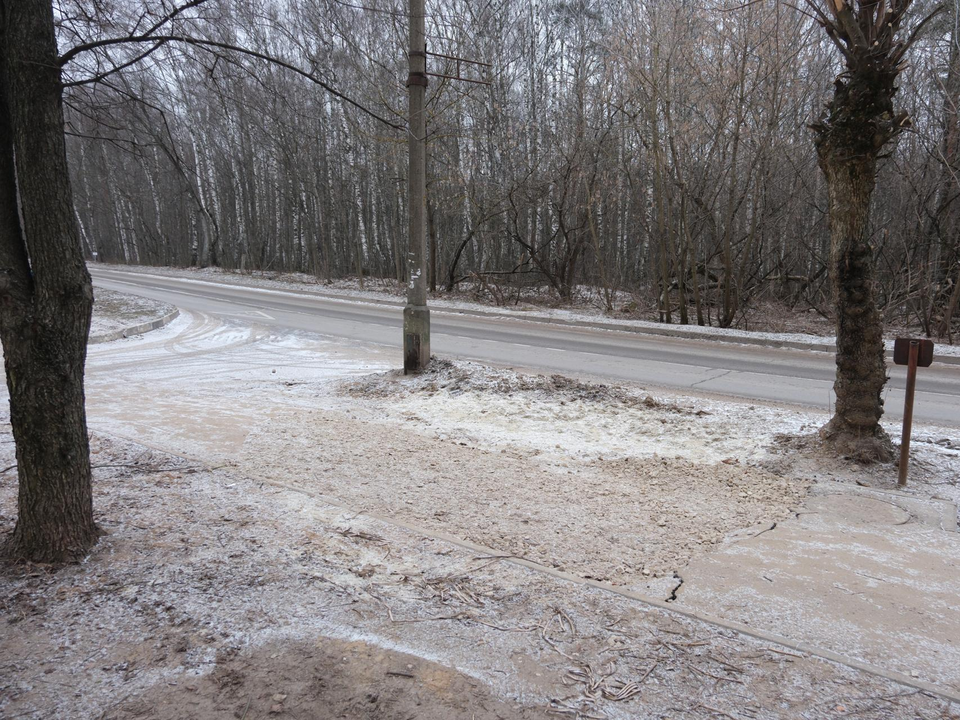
(657, 147)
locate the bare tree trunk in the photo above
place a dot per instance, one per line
(952, 305)
(861, 368)
(432, 233)
(858, 123)
(45, 294)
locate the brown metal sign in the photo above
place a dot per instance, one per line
(901, 352)
(913, 353)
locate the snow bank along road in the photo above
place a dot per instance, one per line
(800, 377)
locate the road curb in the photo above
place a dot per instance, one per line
(733, 340)
(135, 329)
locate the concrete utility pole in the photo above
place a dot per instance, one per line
(416, 316)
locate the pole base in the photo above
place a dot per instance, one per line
(416, 339)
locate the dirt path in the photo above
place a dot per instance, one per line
(322, 677)
(213, 596)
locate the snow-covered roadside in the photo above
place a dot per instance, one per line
(114, 312)
(548, 468)
(602, 481)
(387, 291)
(560, 420)
(217, 596)
(788, 573)
(530, 483)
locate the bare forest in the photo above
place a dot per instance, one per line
(658, 148)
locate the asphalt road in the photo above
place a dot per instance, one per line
(795, 377)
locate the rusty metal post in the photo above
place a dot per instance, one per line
(908, 412)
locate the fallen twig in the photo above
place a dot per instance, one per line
(784, 652)
(715, 677)
(715, 711)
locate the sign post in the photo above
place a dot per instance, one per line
(913, 354)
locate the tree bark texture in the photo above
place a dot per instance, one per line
(46, 296)
(857, 125)
(861, 369)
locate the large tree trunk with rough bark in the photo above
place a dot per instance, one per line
(46, 296)
(856, 127)
(861, 369)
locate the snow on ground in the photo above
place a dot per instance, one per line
(216, 596)
(113, 311)
(271, 496)
(544, 467)
(524, 477)
(388, 290)
(559, 418)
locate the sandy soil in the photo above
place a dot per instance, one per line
(623, 517)
(214, 596)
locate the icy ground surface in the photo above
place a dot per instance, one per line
(114, 311)
(385, 290)
(278, 508)
(217, 596)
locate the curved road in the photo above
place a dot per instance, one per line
(797, 377)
